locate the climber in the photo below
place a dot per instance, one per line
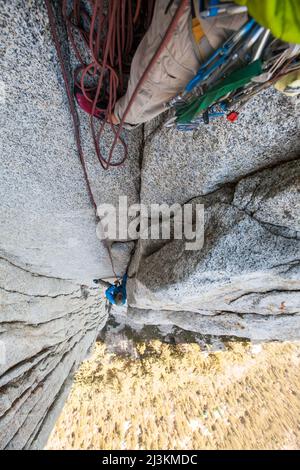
(115, 293)
(194, 40)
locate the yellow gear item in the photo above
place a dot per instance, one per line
(290, 84)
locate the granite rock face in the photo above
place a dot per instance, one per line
(50, 315)
(272, 197)
(47, 327)
(247, 176)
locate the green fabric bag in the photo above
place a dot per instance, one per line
(238, 78)
(282, 17)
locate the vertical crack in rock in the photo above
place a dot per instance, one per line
(244, 283)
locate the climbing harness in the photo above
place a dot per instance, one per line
(109, 37)
(247, 63)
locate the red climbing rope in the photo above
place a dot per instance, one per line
(104, 41)
(111, 39)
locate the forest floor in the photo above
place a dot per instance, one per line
(178, 397)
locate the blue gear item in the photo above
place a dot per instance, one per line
(114, 289)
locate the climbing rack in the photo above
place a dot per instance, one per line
(249, 61)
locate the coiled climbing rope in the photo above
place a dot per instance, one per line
(110, 37)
